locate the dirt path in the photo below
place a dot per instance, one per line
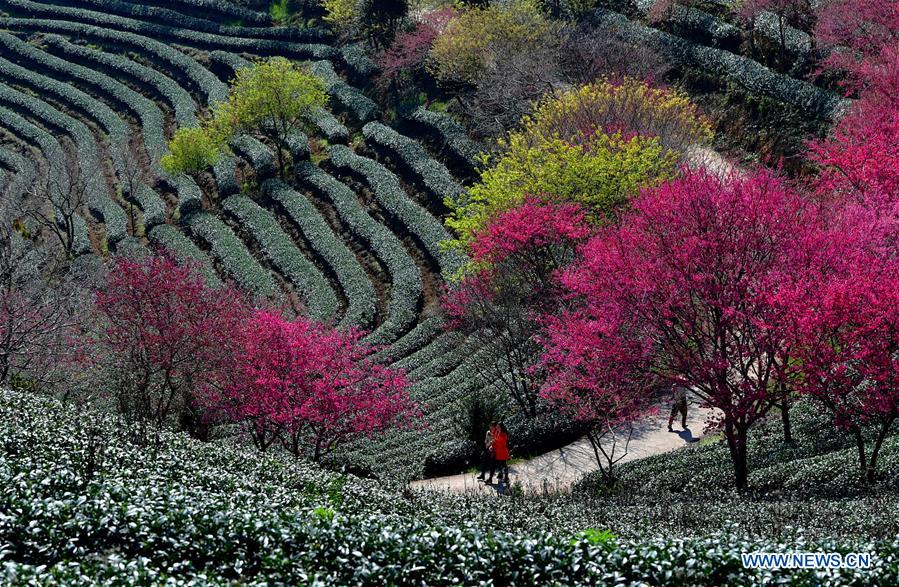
(559, 469)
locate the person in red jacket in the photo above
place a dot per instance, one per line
(500, 454)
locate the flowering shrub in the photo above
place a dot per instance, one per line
(627, 105)
(307, 385)
(601, 174)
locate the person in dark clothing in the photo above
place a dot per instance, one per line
(678, 406)
(487, 454)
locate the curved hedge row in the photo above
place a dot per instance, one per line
(165, 88)
(724, 33)
(178, 63)
(149, 114)
(236, 259)
(329, 126)
(151, 118)
(350, 100)
(354, 282)
(230, 11)
(98, 200)
(406, 453)
(284, 255)
(177, 19)
(53, 154)
(406, 286)
(170, 239)
(190, 197)
(225, 176)
(151, 204)
(221, 8)
(361, 69)
(19, 180)
(182, 36)
(412, 341)
(390, 195)
(435, 348)
(69, 95)
(298, 146)
(433, 175)
(753, 76)
(131, 247)
(449, 135)
(258, 155)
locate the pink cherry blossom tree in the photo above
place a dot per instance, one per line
(691, 276)
(860, 160)
(857, 33)
(599, 372)
(161, 334)
(403, 62)
(309, 386)
(847, 352)
(516, 259)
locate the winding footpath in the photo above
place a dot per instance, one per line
(557, 470)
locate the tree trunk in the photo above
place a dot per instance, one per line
(785, 420)
(862, 459)
(871, 473)
(736, 442)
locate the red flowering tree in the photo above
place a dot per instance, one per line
(694, 268)
(162, 334)
(860, 160)
(404, 60)
(516, 259)
(847, 347)
(599, 372)
(857, 33)
(309, 386)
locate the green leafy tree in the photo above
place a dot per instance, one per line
(274, 99)
(601, 174)
(479, 38)
(193, 150)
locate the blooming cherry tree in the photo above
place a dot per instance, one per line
(516, 259)
(690, 277)
(162, 334)
(309, 386)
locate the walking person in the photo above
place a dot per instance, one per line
(487, 454)
(500, 454)
(678, 406)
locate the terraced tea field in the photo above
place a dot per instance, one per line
(92, 90)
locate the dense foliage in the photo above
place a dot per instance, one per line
(75, 488)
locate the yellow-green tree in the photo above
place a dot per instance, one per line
(342, 15)
(601, 173)
(193, 150)
(629, 105)
(274, 99)
(471, 42)
(596, 145)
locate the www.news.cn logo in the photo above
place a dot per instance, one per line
(806, 560)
